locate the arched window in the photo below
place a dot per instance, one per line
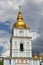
(21, 47)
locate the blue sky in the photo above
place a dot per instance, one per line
(33, 15)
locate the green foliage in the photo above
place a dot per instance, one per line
(1, 62)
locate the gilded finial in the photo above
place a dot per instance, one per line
(19, 17)
(19, 7)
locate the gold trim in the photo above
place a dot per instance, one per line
(21, 58)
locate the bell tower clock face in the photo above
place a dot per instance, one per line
(21, 31)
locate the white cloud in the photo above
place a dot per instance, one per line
(6, 54)
(41, 54)
(5, 43)
(34, 35)
(7, 8)
(4, 33)
(37, 1)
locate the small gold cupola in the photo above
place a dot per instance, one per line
(35, 56)
(20, 23)
(40, 57)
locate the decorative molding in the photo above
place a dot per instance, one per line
(30, 58)
(22, 28)
(22, 37)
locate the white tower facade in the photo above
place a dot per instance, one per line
(21, 43)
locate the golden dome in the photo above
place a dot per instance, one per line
(20, 23)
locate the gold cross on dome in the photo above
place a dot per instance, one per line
(19, 7)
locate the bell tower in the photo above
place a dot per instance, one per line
(20, 45)
(21, 39)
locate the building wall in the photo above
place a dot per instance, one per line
(21, 36)
(21, 62)
(27, 49)
(21, 32)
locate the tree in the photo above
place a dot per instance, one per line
(1, 62)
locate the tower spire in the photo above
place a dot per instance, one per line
(19, 7)
(19, 17)
(20, 23)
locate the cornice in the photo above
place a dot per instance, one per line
(21, 37)
(21, 28)
(30, 58)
